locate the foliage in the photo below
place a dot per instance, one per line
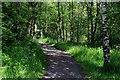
(23, 60)
(22, 57)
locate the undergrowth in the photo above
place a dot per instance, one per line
(22, 60)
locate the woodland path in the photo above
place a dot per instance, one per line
(61, 65)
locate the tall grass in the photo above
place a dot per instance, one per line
(23, 60)
(91, 59)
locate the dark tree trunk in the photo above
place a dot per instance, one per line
(92, 27)
(78, 30)
(96, 20)
(66, 34)
(78, 26)
(58, 21)
(106, 47)
(72, 25)
(88, 12)
(66, 30)
(63, 36)
(69, 17)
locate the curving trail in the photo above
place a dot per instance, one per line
(61, 65)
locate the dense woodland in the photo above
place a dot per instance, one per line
(90, 24)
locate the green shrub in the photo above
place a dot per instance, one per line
(23, 60)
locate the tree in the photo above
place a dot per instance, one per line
(63, 33)
(72, 24)
(106, 47)
(58, 21)
(88, 20)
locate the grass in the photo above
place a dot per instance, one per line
(48, 40)
(22, 60)
(91, 59)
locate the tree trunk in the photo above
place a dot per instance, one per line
(88, 12)
(78, 23)
(96, 20)
(106, 47)
(58, 22)
(66, 30)
(92, 27)
(72, 25)
(46, 20)
(63, 35)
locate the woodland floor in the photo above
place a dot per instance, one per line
(61, 65)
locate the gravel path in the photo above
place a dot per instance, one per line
(60, 65)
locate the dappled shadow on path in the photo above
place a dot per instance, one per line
(61, 65)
